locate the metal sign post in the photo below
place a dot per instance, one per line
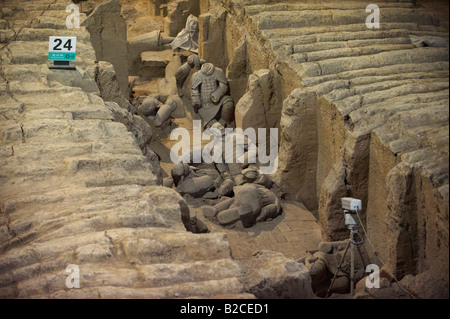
(61, 51)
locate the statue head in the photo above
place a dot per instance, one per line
(192, 25)
(193, 61)
(208, 68)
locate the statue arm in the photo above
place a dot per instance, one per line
(219, 93)
(223, 86)
(196, 100)
(181, 77)
(196, 91)
(182, 73)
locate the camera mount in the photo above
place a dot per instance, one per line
(351, 207)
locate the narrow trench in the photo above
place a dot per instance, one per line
(218, 198)
(232, 198)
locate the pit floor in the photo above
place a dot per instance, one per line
(293, 233)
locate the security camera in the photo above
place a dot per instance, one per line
(351, 207)
(351, 204)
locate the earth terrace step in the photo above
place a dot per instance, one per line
(51, 12)
(337, 5)
(31, 34)
(62, 219)
(40, 22)
(9, 192)
(398, 89)
(321, 46)
(98, 162)
(436, 170)
(19, 168)
(38, 5)
(397, 104)
(104, 283)
(338, 36)
(42, 88)
(427, 116)
(92, 112)
(52, 130)
(244, 3)
(10, 112)
(38, 79)
(113, 178)
(18, 111)
(136, 276)
(339, 65)
(435, 164)
(434, 136)
(91, 162)
(72, 99)
(442, 34)
(355, 83)
(27, 73)
(52, 154)
(53, 83)
(367, 118)
(317, 56)
(365, 75)
(97, 212)
(40, 16)
(197, 290)
(53, 220)
(147, 245)
(296, 19)
(431, 165)
(383, 87)
(385, 26)
(354, 102)
(27, 52)
(62, 194)
(400, 144)
(156, 275)
(117, 170)
(432, 28)
(427, 125)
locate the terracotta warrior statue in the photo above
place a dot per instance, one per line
(193, 63)
(252, 204)
(209, 96)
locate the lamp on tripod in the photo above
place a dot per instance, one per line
(351, 207)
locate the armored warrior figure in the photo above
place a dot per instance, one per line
(209, 96)
(252, 204)
(193, 63)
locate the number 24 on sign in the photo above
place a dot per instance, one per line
(62, 48)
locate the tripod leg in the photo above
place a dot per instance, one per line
(337, 270)
(352, 271)
(361, 256)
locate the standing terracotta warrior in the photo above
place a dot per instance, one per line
(209, 96)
